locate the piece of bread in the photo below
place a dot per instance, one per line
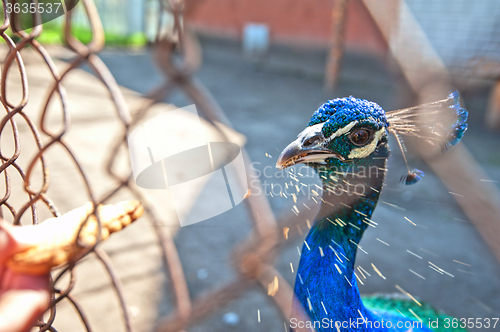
(59, 243)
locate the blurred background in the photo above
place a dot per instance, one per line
(256, 70)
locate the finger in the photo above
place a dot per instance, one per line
(19, 309)
(23, 299)
(14, 239)
(7, 242)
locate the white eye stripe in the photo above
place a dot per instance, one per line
(317, 130)
(365, 151)
(342, 131)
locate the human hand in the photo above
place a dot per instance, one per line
(23, 298)
(28, 253)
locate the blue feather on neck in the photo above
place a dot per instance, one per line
(326, 289)
(329, 252)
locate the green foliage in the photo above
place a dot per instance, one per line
(53, 34)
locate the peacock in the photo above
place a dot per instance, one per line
(346, 142)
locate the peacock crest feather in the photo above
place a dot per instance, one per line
(442, 122)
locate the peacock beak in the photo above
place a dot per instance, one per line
(288, 157)
(297, 153)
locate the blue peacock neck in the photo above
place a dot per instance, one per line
(326, 288)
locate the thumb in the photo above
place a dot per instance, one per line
(14, 239)
(8, 244)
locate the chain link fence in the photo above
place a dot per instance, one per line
(253, 256)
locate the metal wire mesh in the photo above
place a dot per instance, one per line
(254, 255)
(464, 35)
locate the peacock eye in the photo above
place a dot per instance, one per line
(311, 141)
(360, 136)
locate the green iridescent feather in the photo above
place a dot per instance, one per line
(398, 304)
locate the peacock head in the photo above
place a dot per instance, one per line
(343, 133)
(348, 132)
